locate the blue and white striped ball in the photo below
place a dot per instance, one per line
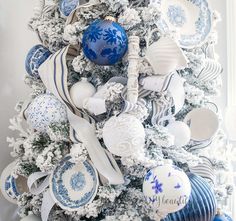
(67, 6)
(36, 56)
(105, 42)
(202, 204)
(45, 110)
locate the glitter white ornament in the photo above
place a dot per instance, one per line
(124, 135)
(166, 188)
(181, 132)
(81, 91)
(45, 110)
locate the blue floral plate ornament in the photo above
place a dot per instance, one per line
(67, 6)
(105, 42)
(35, 57)
(73, 185)
(11, 186)
(191, 19)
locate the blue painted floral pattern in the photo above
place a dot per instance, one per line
(67, 6)
(36, 56)
(176, 15)
(105, 42)
(77, 181)
(157, 186)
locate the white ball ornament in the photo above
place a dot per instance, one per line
(45, 110)
(166, 188)
(124, 135)
(31, 217)
(81, 91)
(181, 133)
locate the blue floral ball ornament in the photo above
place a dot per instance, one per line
(45, 110)
(105, 42)
(67, 6)
(36, 56)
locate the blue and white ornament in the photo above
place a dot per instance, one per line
(35, 57)
(45, 110)
(166, 188)
(222, 217)
(202, 203)
(67, 6)
(105, 42)
(11, 186)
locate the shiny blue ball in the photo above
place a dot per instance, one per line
(67, 6)
(36, 56)
(105, 42)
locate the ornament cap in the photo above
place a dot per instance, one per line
(218, 212)
(110, 18)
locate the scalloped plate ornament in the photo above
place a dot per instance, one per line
(73, 185)
(191, 19)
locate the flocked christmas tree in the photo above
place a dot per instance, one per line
(120, 121)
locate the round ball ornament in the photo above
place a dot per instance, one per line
(67, 6)
(181, 133)
(222, 217)
(31, 217)
(124, 135)
(166, 188)
(202, 203)
(80, 91)
(105, 42)
(45, 110)
(35, 57)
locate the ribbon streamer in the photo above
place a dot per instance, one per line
(54, 73)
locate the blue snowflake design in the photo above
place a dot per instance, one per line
(148, 175)
(105, 42)
(157, 187)
(77, 181)
(178, 186)
(176, 15)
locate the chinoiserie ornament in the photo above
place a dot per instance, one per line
(67, 6)
(201, 205)
(31, 217)
(81, 91)
(165, 56)
(181, 133)
(166, 188)
(124, 135)
(45, 110)
(11, 186)
(222, 216)
(35, 57)
(105, 42)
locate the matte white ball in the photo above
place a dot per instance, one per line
(81, 91)
(167, 188)
(181, 133)
(124, 135)
(45, 110)
(31, 217)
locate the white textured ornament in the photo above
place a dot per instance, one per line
(31, 217)
(95, 106)
(45, 110)
(165, 56)
(166, 188)
(81, 91)
(124, 135)
(181, 133)
(12, 187)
